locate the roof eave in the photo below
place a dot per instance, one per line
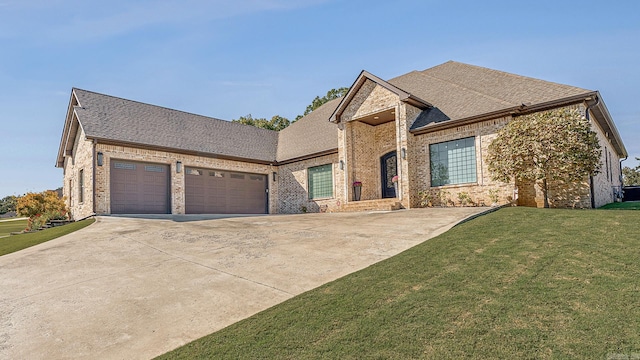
(605, 120)
(511, 111)
(307, 157)
(107, 141)
(66, 130)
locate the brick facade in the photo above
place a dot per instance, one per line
(480, 191)
(176, 179)
(360, 147)
(293, 197)
(80, 206)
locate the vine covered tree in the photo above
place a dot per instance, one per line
(545, 146)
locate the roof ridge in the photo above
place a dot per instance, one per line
(517, 76)
(164, 107)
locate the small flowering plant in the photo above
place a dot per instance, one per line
(394, 179)
(357, 183)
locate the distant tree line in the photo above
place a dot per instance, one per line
(278, 122)
(631, 176)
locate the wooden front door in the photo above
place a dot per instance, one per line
(388, 169)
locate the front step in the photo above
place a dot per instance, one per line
(371, 205)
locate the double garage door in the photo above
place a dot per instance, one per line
(210, 191)
(144, 188)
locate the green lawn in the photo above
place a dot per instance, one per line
(7, 227)
(628, 205)
(18, 242)
(519, 283)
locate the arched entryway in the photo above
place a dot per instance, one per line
(388, 169)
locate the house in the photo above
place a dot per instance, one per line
(121, 156)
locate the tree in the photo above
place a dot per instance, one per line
(545, 146)
(46, 203)
(631, 176)
(8, 203)
(319, 101)
(276, 123)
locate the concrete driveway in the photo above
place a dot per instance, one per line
(128, 288)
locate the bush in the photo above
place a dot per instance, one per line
(41, 207)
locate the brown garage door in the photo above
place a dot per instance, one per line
(224, 192)
(139, 188)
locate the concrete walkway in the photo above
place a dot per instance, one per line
(130, 288)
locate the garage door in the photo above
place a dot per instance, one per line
(224, 192)
(139, 188)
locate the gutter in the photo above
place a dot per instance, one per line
(512, 111)
(178, 151)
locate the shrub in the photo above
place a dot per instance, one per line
(41, 207)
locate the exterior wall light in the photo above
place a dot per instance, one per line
(403, 153)
(341, 165)
(178, 166)
(274, 174)
(100, 159)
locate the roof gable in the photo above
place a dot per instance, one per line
(361, 80)
(113, 119)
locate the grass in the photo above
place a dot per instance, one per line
(519, 283)
(18, 242)
(7, 227)
(628, 205)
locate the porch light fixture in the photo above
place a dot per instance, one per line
(274, 174)
(100, 158)
(341, 165)
(178, 167)
(403, 153)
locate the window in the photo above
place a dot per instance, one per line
(81, 186)
(320, 181)
(453, 162)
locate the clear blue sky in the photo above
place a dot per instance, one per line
(230, 58)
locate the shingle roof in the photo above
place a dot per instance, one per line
(456, 91)
(312, 134)
(460, 90)
(121, 120)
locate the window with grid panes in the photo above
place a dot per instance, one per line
(453, 162)
(320, 181)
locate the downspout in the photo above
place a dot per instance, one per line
(591, 187)
(93, 177)
(621, 180)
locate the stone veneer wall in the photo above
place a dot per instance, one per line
(81, 159)
(420, 176)
(293, 196)
(103, 205)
